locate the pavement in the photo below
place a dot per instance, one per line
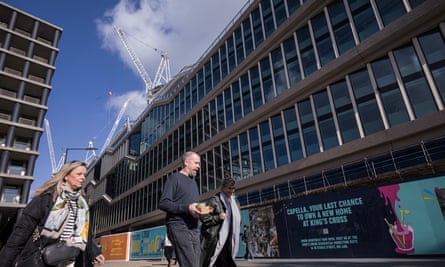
(340, 262)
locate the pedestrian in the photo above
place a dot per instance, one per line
(246, 240)
(57, 212)
(168, 251)
(220, 229)
(179, 200)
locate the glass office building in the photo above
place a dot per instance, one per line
(28, 51)
(293, 98)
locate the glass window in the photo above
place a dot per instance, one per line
(237, 109)
(231, 60)
(208, 77)
(415, 3)
(325, 120)
(188, 136)
(341, 26)
(390, 10)
(216, 74)
(223, 55)
(11, 194)
(194, 131)
(354, 171)
(228, 106)
(414, 80)
(226, 159)
(210, 170)
(194, 91)
(334, 176)
(202, 179)
(213, 117)
(366, 102)
(188, 100)
(266, 143)
(239, 46)
(234, 155)
(382, 164)
(248, 39)
(322, 39)
(308, 128)
(244, 151)
(293, 136)
(279, 141)
(306, 51)
(291, 57)
(266, 78)
(256, 87)
(292, 5)
(344, 112)
(314, 182)
(433, 47)
(221, 113)
(283, 190)
(201, 89)
(206, 121)
(255, 151)
(280, 11)
(245, 89)
(257, 27)
(219, 169)
(364, 18)
(390, 94)
(279, 74)
(177, 113)
(266, 11)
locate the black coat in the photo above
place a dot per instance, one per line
(211, 223)
(20, 244)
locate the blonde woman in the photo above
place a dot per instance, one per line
(57, 212)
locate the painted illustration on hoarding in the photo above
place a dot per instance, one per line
(386, 221)
(401, 233)
(418, 209)
(115, 247)
(146, 244)
(263, 239)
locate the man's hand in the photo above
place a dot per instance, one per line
(100, 259)
(194, 211)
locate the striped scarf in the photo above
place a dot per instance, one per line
(68, 219)
(71, 224)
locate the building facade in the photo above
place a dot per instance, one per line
(28, 50)
(294, 98)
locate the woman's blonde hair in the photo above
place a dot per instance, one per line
(59, 177)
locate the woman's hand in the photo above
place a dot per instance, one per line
(222, 216)
(100, 259)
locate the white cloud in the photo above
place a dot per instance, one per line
(137, 103)
(182, 28)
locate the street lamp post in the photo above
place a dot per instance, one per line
(77, 148)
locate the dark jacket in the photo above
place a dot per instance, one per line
(211, 224)
(20, 244)
(178, 193)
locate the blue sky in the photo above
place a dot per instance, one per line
(92, 61)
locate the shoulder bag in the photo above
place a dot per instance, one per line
(59, 252)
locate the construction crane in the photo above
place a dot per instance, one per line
(116, 123)
(54, 167)
(162, 74)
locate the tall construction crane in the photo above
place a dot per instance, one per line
(54, 167)
(162, 74)
(116, 123)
